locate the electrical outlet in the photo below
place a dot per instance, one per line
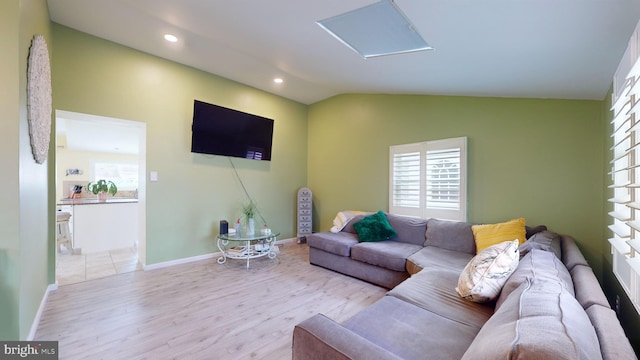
(617, 305)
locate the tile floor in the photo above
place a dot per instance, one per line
(72, 269)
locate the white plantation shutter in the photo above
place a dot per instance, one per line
(443, 179)
(428, 179)
(406, 179)
(625, 173)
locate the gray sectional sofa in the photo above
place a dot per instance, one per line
(551, 306)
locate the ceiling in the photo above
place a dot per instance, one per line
(503, 48)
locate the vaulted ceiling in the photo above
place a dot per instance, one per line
(503, 48)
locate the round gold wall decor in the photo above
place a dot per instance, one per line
(39, 98)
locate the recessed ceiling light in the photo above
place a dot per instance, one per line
(375, 30)
(170, 38)
(278, 80)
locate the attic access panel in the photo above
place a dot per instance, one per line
(376, 30)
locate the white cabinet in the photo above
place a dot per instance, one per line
(305, 213)
(104, 227)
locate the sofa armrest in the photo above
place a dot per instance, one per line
(614, 344)
(322, 338)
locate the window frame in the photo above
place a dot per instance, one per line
(120, 182)
(422, 208)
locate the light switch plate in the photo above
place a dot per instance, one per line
(153, 176)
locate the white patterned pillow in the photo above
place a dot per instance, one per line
(483, 277)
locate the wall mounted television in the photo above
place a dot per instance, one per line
(218, 130)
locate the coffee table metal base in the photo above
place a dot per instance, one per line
(246, 248)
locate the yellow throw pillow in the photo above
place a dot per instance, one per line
(491, 234)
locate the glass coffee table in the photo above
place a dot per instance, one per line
(246, 247)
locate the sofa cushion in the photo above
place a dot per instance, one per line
(571, 254)
(540, 320)
(483, 277)
(433, 256)
(374, 227)
(410, 230)
(537, 264)
(343, 264)
(490, 234)
(544, 240)
(408, 331)
(433, 289)
(388, 254)
(339, 243)
(450, 235)
(587, 287)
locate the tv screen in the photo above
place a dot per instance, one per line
(221, 131)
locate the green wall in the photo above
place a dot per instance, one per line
(194, 191)
(537, 159)
(35, 262)
(25, 266)
(9, 148)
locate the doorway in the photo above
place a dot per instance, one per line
(89, 148)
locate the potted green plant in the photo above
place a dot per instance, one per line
(102, 188)
(249, 212)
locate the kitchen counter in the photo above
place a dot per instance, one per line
(114, 225)
(94, 201)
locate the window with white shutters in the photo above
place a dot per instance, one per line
(625, 173)
(123, 174)
(428, 179)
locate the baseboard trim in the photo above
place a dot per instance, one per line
(199, 257)
(180, 261)
(36, 319)
(286, 241)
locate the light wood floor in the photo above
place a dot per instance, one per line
(200, 310)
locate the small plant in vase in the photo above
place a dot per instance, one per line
(249, 212)
(102, 188)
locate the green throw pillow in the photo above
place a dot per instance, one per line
(374, 227)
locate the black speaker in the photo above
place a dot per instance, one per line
(224, 227)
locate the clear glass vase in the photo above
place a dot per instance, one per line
(251, 228)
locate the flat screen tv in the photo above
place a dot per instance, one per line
(218, 130)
